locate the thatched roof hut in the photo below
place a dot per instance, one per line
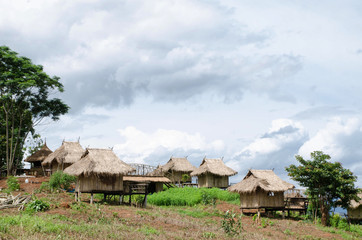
(213, 173)
(261, 189)
(64, 156)
(355, 209)
(39, 156)
(174, 169)
(99, 170)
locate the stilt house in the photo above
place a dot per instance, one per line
(355, 209)
(37, 158)
(175, 168)
(213, 173)
(63, 157)
(261, 189)
(99, 171)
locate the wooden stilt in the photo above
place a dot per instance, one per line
(91, 200)
(76, 196)
(283, 214)
(79, 194)
(145, 201)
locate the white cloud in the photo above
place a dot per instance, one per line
(158, 146)
(342, 140)
(274, 149)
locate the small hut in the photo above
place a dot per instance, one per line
(63, 157)
(261, 189)
(213, 173)
(37, 158)
(355, 209)
(99, 171)
(175, 168)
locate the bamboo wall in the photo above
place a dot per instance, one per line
(210, 180)
(355, 213)
(260, 198)
(94, 183)
(177, 176)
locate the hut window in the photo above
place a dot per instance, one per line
(271, 194)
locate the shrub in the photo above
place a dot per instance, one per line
(13, 183)
(334, 220)
(37, 206)
(231, 223)
(60, 180)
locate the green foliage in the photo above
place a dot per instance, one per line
(25, 91)
(44, 187)
(185, 177)
(207, 198)
(147, 230)
(334, 220)
(60, 180)
(37, 206)
(190, 196)
(208, 235)
(13, 183)
(326, 181)
(231, 223)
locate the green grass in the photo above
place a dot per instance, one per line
(191, 196)
(354, 232)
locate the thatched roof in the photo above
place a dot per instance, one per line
(263, 179)
(157, 172)
(39, 155)
(179, 165)
(101, 162)
(69, 152)
(213, 166)
(354, 204)
(146, 179)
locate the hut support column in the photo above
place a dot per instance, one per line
(79, 196)
(145, 201)
(76, 196)
(283, 214)
(91, 200)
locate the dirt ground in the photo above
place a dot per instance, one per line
(168, 222)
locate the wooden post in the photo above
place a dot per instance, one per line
(145, 201)
(283, 214)
(258, 215)
(130, 199)
(76, 196)
(79, 196)
(91, 200)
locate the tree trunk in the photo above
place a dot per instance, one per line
(325, 214)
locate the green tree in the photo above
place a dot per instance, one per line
(25, 101)
(327, 182)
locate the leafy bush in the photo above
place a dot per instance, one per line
(37, 206)
(334, 220)
(13, 183)
(60, 180)
(190, 196)
(231, 223)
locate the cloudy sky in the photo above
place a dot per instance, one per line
(255, 82)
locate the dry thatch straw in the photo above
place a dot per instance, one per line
(179, 165)
(354, 204)
(263, 179)
(213, 166)
(68, 153)
(39, 155)
(156, 172)
(99, 162)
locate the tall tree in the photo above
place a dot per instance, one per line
(327, 182)
(25, 101)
